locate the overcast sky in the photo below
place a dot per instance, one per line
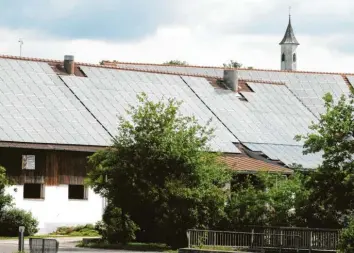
(201, 32)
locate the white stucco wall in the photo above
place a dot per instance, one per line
(288, 50)
(57, 210)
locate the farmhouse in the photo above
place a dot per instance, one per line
(54, 114)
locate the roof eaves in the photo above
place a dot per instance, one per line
(63, 147)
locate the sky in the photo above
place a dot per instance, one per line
(201, 32)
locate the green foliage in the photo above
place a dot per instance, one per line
(12, 218)
(235, 65)
(5, 200)
(232, 64)
(111, 227)
(265, 199)
(346, 240)
(80, 230)
(331, 199)
(176, 62)
(161, 174)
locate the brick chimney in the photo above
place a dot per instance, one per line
(69, 64)
(231, 79)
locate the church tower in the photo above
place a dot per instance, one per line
(288, 49)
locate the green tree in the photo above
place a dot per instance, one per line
(5, 199)
(232, 64)
(331, 200)
(265, 199)
(346, 239)
(11, 218)
(176, 62)
(160, 172)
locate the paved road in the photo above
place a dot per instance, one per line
(65, 245)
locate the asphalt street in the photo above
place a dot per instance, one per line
(65, 245)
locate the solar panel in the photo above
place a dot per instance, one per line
(109, 98)
(263, 118)
(41, 111)
(287, 154)
(316, 84)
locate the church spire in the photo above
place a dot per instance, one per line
(288, 49)
(289, 37)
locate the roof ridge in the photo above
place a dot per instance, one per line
(166, 72)
(22, 58)
(148, 71)
(217, 67)
(167, 65)
(261, 81)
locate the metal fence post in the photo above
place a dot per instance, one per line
(252, 237)
(21, 239)
(310, 241)
(281, 240)
(43, 248)
(189, 238)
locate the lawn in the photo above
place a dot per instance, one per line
(133, 246)
(76, 231)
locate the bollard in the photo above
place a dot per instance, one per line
(21, 239)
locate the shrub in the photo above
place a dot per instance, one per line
(80, 230)
(346, 240)
(111, 228)
(11, 219)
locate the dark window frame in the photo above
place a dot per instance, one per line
(77, 192)
(30, 188)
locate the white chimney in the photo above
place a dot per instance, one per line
(69, 64)
(231, 78)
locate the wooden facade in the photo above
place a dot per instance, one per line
(52, 167)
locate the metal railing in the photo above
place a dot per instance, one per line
(241, 240)
(310, 238)
(263, 238)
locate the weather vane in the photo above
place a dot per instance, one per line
(21, 43)
(289, 11)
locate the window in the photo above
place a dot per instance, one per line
(77, 192)
(283, 57)
(294, 57)
(28, 162)
(33, 191)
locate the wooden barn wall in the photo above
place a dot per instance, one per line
(52, 167)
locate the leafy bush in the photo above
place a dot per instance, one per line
(80, 230)
(111, 228)
(346, 240)
(11, 219)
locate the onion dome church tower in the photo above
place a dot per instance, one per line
(288, 49)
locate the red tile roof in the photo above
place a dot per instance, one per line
(111, 66)
(245, 164)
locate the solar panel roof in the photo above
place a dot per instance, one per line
(108, 92)
(288, 154)
(271, 115)
(37, 107)
(308, 87)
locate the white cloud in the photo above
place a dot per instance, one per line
(193, 40)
